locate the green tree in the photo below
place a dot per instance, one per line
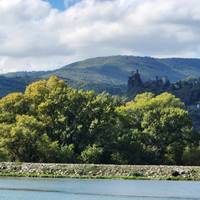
(159, 125)
(92, 154)
(22, 137)
(191, 156)
(11, 106)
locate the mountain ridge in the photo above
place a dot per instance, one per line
(103, 73)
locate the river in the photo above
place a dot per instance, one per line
(76, 189)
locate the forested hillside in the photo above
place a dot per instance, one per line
(52, 122)
(111, 73)
(14, 84)
(116, 69)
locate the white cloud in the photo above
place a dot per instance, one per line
(35, 36)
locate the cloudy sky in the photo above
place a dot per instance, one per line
(46, 34)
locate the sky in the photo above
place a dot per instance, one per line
(47, 34)
(59, 4)
(62, 4)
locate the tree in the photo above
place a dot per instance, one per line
(62, 119)
(22, 137)
(159, 124)
(12, 105)
(92, 154)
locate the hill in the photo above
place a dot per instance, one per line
(14, 84)
(116, 69)
(111, 73)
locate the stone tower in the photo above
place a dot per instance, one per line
(134, 80)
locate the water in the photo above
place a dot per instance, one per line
(73, 189)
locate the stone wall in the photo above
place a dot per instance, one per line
(100, 171)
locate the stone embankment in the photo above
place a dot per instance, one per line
(100, 171)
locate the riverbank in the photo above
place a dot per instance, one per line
(148, 172)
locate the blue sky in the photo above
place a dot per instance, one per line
(57, 4)
(61, 4)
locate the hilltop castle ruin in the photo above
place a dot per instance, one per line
(135, 82)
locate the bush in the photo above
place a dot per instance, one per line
(191, 156)
(92, 154)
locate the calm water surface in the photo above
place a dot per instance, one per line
(72, 189)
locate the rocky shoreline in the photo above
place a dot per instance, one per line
(153, 172)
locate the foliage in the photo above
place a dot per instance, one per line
(92, 154)
(158, 126)
(51, 122)
(108, 73)
(191, 156)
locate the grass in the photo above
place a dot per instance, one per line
(34, 175)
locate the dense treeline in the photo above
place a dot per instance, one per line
(52, 122)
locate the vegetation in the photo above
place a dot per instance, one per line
(51, 122)
(115, 69)
(12, 84)
(111, 73)
(187, 90)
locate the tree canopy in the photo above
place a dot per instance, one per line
(52, 122)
